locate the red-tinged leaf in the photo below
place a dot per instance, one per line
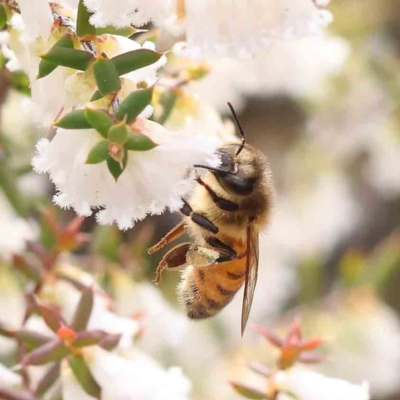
(110, 342)
(249, 392)
(83, 311)
(46, 67)
(311, 358)
(134, 104)
(14, 394)
(114, 168)
(260, 369)
(83, 25)
(99, 153)
(106, 76)
(294, 335)
(312, 344)
(70, 58)
(32, 271)
(135, 59)
(270, 336)
(51, 316)
(84, 376)
(84, 339)
(74, 120)
(99, 120)
(31, 339)
(139, 142)
(48, 380)
(49, 352)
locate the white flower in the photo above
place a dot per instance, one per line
(37, 17)
(307, 385)
(152, 180)
(126, 12)
(9, 379)
(137, 377)
(244, 27)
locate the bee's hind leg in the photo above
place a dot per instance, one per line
(175, 259)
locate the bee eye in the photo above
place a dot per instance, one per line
(236, 184)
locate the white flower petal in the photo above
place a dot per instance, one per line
(152, 180)
(37, 17)
(307, 385)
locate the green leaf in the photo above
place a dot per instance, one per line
(248, 392)
(3, 15)
(167, 101)
(139, 142)
(106, 76)
(96, 96)
(114, 168)
(70, 58)
(135, 59)
(83, 310)
(20, 82)
(118, 133)
(46, 67)
(113, 30)
(134, 104)
(84, 377)
(48, 380)
(83, 25)
(99, 153)
(74, 120)
(99, 120)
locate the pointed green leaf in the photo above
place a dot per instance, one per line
(84, 377)
(20, 82)
(74, 120)
(49, 352)
(136, 59)
(83, 310)
(3, 15)
(46, 67)
(99, 120)
(114, 168)
(96, 96)
(167, 101)
(248, 392)
(70, 58)
(99, 153)
(106, 76)
(113, 30)
(83, 25)
(139, 142)
(118, 133)
(134, 104)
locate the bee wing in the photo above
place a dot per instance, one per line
(251, 273)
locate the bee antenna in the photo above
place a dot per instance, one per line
(239, 127)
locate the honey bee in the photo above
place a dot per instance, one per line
(224, 215)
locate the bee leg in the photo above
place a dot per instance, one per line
(222, 203)
(175, 259)
(199, 219)
(172, 235)
(227, 254)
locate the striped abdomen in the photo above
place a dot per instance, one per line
(206, 291)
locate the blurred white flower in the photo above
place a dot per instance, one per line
(298, 68)
(152, 181)
(135, 377)
(37, 17)
(243, 28)
(367, 341)
(307, 385)
(14, 230)
(8, 378)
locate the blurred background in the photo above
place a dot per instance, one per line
(326, 112)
